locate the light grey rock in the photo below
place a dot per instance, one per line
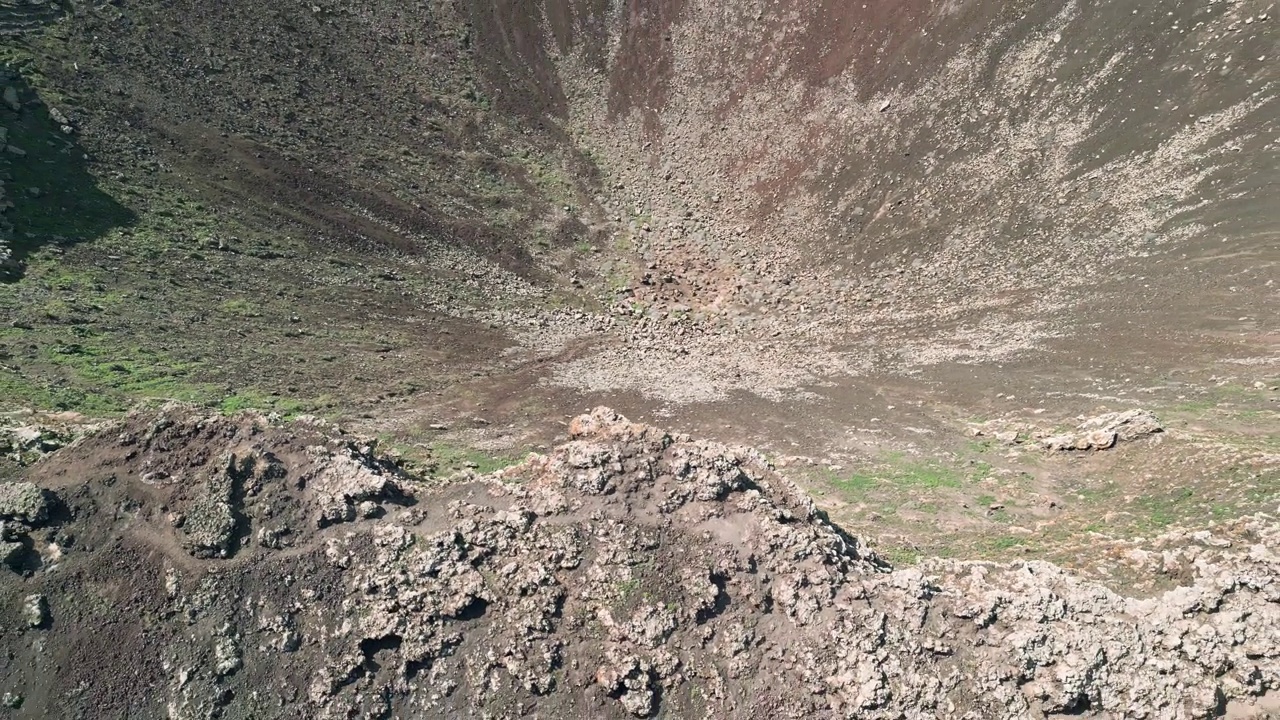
(226, 654)
(1128, 425)
(25, 503)
(35, 611)
(1104, 431)
(351, 485)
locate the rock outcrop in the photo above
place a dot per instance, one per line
(627, 573)
(1104, 431)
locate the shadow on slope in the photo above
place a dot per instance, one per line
(45, 177)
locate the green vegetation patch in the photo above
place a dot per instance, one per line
(903, 473)
(450, 458)
(241, 307)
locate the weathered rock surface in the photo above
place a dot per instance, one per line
(1104, 431)
(35, 611)
(33, 440)
(627, 573)
(24, 503)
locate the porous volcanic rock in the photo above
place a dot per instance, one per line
(626, 573)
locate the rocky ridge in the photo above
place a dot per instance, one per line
(285, 569)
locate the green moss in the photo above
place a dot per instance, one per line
(899, 556)
(1004, 543)
(978, 447)
(16, 391)
(979, 471)
(119, 376)
(288, 407)
(857, 483)
(449, 458)
(241, 307)
(87, 372)
(1160, 511)
(902, 474)
(627, 587)
(927, 474)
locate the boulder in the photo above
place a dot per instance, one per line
(1127, 426)
(1104, 431)
(25, 503)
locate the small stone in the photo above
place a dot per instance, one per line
(226, 656)
(35, 611)
(15, 151)
(223, 697)
(638, 702)
(10, 96)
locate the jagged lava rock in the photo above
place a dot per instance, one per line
(632, 573)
